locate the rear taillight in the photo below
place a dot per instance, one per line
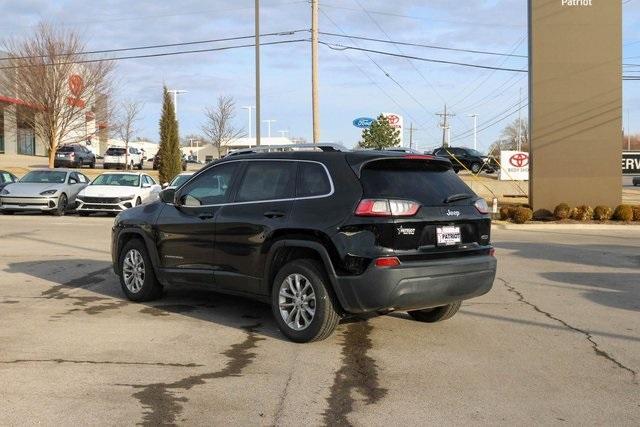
(419, 157)
(386, 207)
(387, 261)
(72, 155)
(492, 252)
(481, 206)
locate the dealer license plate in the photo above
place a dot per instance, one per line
(448, 235)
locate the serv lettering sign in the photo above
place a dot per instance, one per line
(631, 163)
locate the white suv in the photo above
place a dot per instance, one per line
(114, 157)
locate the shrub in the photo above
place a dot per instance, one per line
(521, 215)
(543, 215)
(562, 211)
(636, 213)
(623, 213)
(602, 213)
(582, 213)
(505, 212)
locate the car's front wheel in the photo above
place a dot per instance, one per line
(301, 303)
(436, 314)
(137, 278)
(475, 167)
(62, 205)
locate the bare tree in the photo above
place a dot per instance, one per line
(126, 124)
(55, 90)
(509, 138)
(218, 126)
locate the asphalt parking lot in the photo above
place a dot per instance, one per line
(556, 341)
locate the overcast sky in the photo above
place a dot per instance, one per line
(351, 84)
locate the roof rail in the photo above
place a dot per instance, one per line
(288, 147)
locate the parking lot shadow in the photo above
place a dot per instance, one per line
(107, 296)
(618, 290)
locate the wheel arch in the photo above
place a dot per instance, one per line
(286, 250)
(126, 236)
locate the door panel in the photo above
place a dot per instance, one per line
(186, 232)
(243, 228)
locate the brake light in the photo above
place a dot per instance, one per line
(419, 157)
(386, 207)
(387, 261)
(481, 206)
(492, 252)
(72, 155)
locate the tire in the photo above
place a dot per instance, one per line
(62, 205)
(138, 202)
(140, 166)
(475, 167)
(7, 212)
(436, 314)
(92, 165)
(324, 318)
(144, 287)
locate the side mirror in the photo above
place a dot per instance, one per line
(168, 195)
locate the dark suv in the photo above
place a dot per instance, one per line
(74, 156)
(318, 235)
(468, 158)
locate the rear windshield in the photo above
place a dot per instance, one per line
(411, 180)
(66, 149)
(115, 151)
(123, 180)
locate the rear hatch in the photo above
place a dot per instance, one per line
(430, 212)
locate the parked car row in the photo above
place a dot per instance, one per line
(77, 156)
(60, 190)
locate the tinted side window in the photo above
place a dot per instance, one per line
(149, 180)
(265, 180)
(73, 177)
(209, 188)
(312, 180)
(83, 179)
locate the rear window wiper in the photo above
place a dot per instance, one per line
(456, 197)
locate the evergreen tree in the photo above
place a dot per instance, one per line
(169, 152)
(380, 135)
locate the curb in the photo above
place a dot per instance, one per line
(501, 225)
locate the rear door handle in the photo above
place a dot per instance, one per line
(274, 214)
(204, 216)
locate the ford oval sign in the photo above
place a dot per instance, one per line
(363, 122)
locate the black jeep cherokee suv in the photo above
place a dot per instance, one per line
(318, 235)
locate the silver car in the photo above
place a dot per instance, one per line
(43, 190)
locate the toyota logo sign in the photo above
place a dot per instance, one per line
(393, 119)
(519, 160)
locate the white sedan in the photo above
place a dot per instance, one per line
(117, 191)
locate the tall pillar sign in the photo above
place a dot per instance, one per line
(575, 95)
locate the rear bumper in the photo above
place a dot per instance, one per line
(416, 285)
(28, 203)
(64, 163)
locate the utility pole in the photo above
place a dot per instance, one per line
(445, 126)
(519, 144)
(628, 132)
(249, 108)
(268, 122)
(410, 135)
(257, 12)
(475, 130)
(314, 71)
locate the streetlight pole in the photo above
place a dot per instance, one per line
(268, 122)
(257, 19)
(475, 130)
(175, 93)
(248, 108)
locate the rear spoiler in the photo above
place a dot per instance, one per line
(359, 162)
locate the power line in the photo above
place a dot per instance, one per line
(428, 46)
(154, 55)
(337, 46)
(158, 46)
